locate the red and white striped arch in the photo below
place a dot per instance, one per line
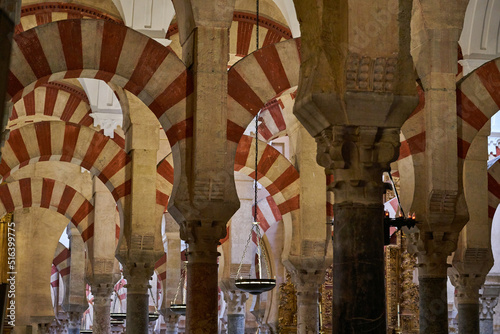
(110, 52)
(61, 261)
(478, 99)
(59, 141)
(46, 12)
(276, 174)
(164, 182)
(49, 194)
(161, 268)
(257, 79)
(268, 214)
(242, 33)
(56, 100)
(493, 187)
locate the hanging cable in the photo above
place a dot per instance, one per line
(257, 27)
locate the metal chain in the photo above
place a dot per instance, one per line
(179, 285)
(244, 253)
(257, 27)
(260, 251)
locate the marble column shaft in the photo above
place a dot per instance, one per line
(102, 308)
(358, 269)
(357, 157)
(137, 299)
(202, 299)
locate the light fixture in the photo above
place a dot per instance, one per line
(180, 309)
(259, 284)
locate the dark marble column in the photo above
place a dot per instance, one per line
(358, 269)
(137, 298)
(202, 275)
(468, 318)
(357, 157)
(102, 308)
(433, 305)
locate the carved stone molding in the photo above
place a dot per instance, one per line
(370, 74)
(357, 156)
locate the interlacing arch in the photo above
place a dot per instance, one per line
(50, 194)
(164, 182)
(58, 100)
(59, 141)
(61, 263)
(277, 175)
(478, 99)
(110, 52)
(493, 187)
(41, 13)
(258, 78)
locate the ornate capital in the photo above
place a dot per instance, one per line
(488, 300)
(467, 287)
(203, 238)
(236, 301)
(102, 293)
(356, 156)
(432, 249)
(137, 276)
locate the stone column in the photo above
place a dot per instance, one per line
(236, 311)
(172, 322)
(137, 297)
(432, 277)
(307, 283)
(488, 300)
(74, 322)
(102, 308)
(467, 296)
(357, 157)
(202, 271)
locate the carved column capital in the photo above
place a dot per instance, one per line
(432, 249)
(467, 287)
(356, 156)
(236, 301)
(102, 290)
(203, 238)
(137, 276)
(307, 283)
(488, 300)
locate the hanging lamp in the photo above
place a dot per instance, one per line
(256, 285)
(259, 284)
(180, 309)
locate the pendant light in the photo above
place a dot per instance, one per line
(180, 308)
(259, 284)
